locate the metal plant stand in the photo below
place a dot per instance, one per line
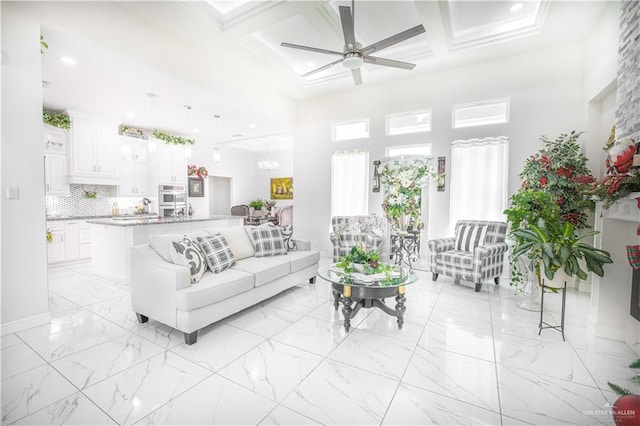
(544, 324)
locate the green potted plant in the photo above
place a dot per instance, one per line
(256, 204)
(560, 168)
(554, 246)
(548, 212)
(360, 260)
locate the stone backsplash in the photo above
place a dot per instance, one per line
(77, 204)
(628, 89)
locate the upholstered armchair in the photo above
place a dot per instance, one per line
(349, 231)
(475, 254)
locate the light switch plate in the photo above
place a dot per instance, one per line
(13, 192)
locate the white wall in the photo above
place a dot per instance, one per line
(247, 181)
(546, 91)
(24, 260)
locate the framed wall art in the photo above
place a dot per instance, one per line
(282, 188)
(196, 187)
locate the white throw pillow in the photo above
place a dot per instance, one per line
(470, 236)
(219, 255)
(161, 244)
(188, 253)
(238, 240)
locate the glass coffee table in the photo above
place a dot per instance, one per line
(356, 291)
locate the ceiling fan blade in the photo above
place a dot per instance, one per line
(347, 27)
(311, 49)
(357, 76)
(388, 62)
(395, 39)
(322, 68)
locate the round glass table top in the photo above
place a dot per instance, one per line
(399, 276)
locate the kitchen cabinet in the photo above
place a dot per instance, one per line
(55, 168)
(55, 248)
(55, 139)
(71, 241)
(134, 179)
(134, 168)
(172, 165)
(94, 150)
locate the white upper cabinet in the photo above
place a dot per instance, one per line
(172, 164)
(135, 179)
(94, 150)
(55, 168)
(55, 140)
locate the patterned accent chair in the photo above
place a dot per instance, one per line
(349, 231)
(475, 254)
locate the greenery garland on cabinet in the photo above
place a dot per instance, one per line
(56, 119)
(172, 140)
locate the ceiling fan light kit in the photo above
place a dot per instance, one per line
(354, 55)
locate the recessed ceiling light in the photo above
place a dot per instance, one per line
(252, 125)
(67, 60)
(516, 7)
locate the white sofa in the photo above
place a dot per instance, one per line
(162, 290)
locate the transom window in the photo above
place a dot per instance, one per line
(492, 111)
(347, 130)
(408, 122)
(396, 151)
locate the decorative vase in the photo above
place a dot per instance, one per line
(529, 299)
(403, 222)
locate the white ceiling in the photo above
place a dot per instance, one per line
(225, 58)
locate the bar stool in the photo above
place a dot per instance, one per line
(544, 324)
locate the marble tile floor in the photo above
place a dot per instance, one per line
(461, 358)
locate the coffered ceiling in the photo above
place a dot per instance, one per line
(226, 58)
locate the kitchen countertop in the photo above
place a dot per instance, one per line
(55, 218)
(103, 216)
(157, 221)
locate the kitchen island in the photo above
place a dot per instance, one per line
(113, 238)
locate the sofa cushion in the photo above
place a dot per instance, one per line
(161, 244)
(469, 237)
(238, 241)
(218, 254)
(265, 269)
(299, 260)
(188, 253)
(267, 241)
(455, 260)
(213, 288)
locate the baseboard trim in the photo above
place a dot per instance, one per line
(25, 323)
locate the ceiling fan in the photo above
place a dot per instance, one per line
(354, 55)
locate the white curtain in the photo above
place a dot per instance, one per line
(350, 183)
(479, 179)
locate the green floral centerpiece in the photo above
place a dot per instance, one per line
(359, 260)
(403, 179)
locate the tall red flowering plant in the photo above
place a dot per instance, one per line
(560, 168)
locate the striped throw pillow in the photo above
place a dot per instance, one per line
(217, 252)
(470, 236)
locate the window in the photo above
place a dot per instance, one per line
(349, 183)
(481, 113)
(397, 151)
(347, 130)
(479, 179)
(408, 122)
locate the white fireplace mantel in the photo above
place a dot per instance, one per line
(609, 316)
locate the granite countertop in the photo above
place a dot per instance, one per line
(156, 221)
(55, 218)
